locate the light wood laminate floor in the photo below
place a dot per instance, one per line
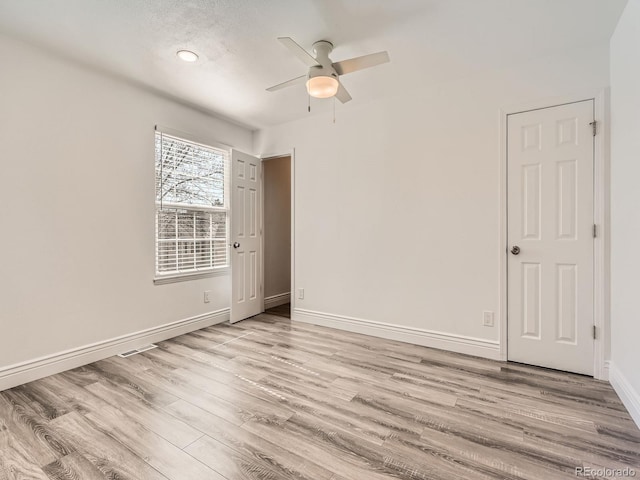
(269, 399)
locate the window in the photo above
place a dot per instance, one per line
(191, 208)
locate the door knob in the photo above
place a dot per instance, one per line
(515, 250)
(236, 244)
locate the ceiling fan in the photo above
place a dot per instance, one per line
(323, 78)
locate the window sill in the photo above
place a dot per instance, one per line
(219, 272)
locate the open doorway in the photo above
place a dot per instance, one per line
(277, 234)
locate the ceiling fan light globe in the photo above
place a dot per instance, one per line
(322, 86)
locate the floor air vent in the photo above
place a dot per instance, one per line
(137, 350)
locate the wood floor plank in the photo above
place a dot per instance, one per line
(230, 411)
(346, 465)
(42, 442)
(334, 389)
(73, 467)
(158, 452)
(431, 415)
(373, 458)
(84, 375)
(500, 390)
(253, 404)
(341, 412)
(591, 449)
(127, 380)
(460, 458)
(109, 456)
(175, 431)
(248, 444)
(526, 415)
(565, 409)
(232, 464)
(211, 368)
(16, 462)
(162, 455)
(46, 404)
(142, 361)
(493, 450)
(281, 310)
(250, 346)
(434, 462)
(276, 368)
(343, 369)
(404, 391)
(604, 407)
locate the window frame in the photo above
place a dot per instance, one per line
(176, 276)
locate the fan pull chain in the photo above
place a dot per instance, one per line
(309, 107)
(334, 109)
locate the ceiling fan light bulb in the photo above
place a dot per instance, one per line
(322, 86)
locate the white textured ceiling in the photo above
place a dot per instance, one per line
(429, 41)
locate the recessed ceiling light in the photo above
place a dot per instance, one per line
(187, 55)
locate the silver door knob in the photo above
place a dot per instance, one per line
(515, 250)
(236, 244)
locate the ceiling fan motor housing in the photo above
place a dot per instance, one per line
(323, 79)
(322, 72)
(322, 49)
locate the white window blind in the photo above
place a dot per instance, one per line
(191, 207)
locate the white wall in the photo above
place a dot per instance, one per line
(77, 215)
(625, 207)
(398, 203)
(277, 226)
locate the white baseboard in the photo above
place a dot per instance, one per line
(30, 370)
(427, 338)
(277, 300)
(630, 396)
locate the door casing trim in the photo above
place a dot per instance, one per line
(601, 196)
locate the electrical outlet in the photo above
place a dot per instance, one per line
(487, 319)
(301, 293)
(206, 296)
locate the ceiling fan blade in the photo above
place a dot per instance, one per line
(298, 51)
(342, 94)
(359, 63)
(288, 83)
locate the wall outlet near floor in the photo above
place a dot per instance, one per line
(207, 294)
(487, 319)
(301, 293)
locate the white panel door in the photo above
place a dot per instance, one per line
(246, 233)
(550, 237)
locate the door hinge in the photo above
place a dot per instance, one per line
(594, 332)
(594, 127)
(595, 230)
